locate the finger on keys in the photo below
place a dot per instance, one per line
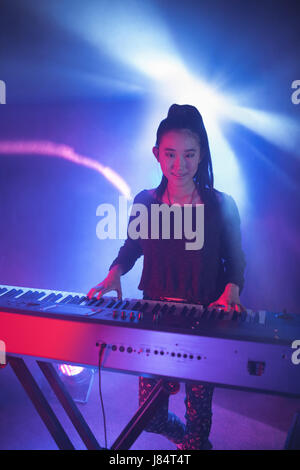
(119, 292)
(236, 307)
(100, 293)
(90, 294)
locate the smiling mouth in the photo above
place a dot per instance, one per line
(179, 176)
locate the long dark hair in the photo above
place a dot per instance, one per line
(188, 117)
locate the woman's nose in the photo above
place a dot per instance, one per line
(179, 163)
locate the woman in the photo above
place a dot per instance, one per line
(212, 275)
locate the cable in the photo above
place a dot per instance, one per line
(101, 350)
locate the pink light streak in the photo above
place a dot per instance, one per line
(52, 149)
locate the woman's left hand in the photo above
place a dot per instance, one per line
(230, 299)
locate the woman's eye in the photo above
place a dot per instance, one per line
(171, 155)
(190, 155)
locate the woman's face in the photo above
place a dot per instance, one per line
(178, 155)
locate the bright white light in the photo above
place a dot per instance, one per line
(69, 370)
(281, 130)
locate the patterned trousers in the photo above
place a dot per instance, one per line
(192, 435)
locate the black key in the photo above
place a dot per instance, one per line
(40, 294)
(27, 296)
(2, 290)
(184, 311)
(11, 293)
(99, 302)
(35, 295)
(243, 315)
(205, 314)
(192, 312)
(118, 305)
(213, 314)
(172, 310)
(74, 300)
(165, 309)
(49, 298)
(235, 316)
(66, 299)
(137, 306)
(111, 304)
(221, 315)
(58, 296)
(144, 307)
(156, 308)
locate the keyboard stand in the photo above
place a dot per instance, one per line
(43, 408)
(126, 438)
(144, 414)
(132, 430)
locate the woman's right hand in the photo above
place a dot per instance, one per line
(111, 282)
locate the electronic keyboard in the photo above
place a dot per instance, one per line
(186, 342)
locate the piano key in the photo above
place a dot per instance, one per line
(40, 295)
(12, 294)
(137, 306)
(74, 299)
(221, 314)
(156, 308)
(112, 303)
(145, 307)
(83, 300)
(244, 315)
(172, 310)
(262, 317)
(256, 317)
(65, 299)
(99, 302)
(184, 311)
(235, 316)
(25, 295)
(205, 314)
(118, 305)
(2, 290)
(165, 309)
(192, 312)
(213, 314)
(49, 298)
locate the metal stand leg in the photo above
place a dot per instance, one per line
(141, 418)
(69, 406)
(40, 403)
(293, 438)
